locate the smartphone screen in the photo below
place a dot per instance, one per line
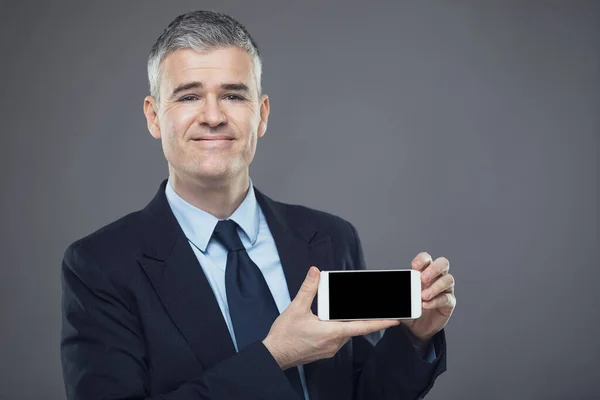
(369, 294)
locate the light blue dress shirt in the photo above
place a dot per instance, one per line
(198, 226)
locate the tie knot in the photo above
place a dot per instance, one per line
(226, 233)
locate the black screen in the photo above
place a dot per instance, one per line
(369, 294)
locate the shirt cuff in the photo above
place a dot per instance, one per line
(425, 350)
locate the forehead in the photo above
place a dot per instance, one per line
(211, 68)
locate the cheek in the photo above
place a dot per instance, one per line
(178, 121)
(251, 138)
(244, 126)
(250, 147)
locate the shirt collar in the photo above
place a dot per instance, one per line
(198, 225)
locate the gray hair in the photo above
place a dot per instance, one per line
(201, 31)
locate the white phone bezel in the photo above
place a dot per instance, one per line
(323, 294)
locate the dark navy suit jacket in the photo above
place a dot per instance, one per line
(140, 320)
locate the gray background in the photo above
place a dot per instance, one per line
(463, 129)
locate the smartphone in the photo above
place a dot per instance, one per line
(369, 294)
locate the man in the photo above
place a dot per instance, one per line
(191, 297)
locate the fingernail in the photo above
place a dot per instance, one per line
(312, 273)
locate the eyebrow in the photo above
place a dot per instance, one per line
(238, 87)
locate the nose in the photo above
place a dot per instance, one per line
(211, 112)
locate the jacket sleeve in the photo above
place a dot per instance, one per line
(387, 365)
(103, 348)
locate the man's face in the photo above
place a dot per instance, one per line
(210, 115)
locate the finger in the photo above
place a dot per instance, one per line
(437, 268)
(443, 283)
(357, 328)
(443, 300)
(421, 261)
(308, 290)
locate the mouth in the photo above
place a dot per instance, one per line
(214, 143)
(213, 140)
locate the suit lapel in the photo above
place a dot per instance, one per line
(176, 275)
(299, 247)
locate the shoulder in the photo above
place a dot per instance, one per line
(312, 219)
(323, 227)
(110, 244)
(322, 219)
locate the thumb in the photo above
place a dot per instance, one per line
(308, 290)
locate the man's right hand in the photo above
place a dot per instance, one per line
(299, 337)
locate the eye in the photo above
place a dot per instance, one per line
(187, 98)
(234, 97)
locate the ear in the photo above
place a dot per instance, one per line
(265, 108)
(151, 113)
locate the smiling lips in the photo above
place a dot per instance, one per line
(212, 138)
(214, 141)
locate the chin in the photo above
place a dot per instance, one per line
(213, 170)
(214, 174)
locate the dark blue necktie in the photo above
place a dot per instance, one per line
(251, 304)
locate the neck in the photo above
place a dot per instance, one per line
(218, 197)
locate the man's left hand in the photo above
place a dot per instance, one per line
(437, 287)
